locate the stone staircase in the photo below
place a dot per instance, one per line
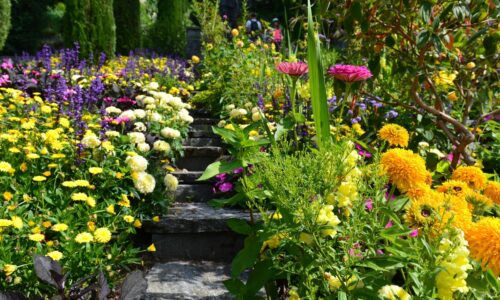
(194, 246)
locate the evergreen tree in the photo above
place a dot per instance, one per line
(128, 25)
(5, 23)
(170, 33)
(90, 23)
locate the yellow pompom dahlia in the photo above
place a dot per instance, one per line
(473, 176)
(404, 168)
(492, 191)
(394, 134)
(484, 243)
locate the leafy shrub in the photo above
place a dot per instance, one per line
(128, 25)
(5, 25)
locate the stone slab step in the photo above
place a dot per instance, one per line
(198, 158)
(202, 141)
(201, 192)
(185, 176)
(188, 280)
(194, 218)
(199, 113)
(203, 127)
(202, 134)
(209, 121)
(204, 151)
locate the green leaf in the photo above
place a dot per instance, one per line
(247, 256)
(382, 263)
(356, 11)
(425, 12)
(234, 286)
(219, 167)
(492, 280)
(234, 200)
(422, 38)
(259, 276)
(239, 226)
(341, 295)
(390, 41)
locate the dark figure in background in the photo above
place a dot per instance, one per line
(253, 27)
(230, 10)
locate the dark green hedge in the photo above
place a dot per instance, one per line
(170, 27)
(5, 23)
(128, 25)
(90, 23)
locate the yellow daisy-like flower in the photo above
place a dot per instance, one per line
(137, 223)
(82, 183)
(17, 222)
(128, 219)
(473, 176)
(404, 168)
(59, 227)
(37, 237)
(492, 191)
(124, 201)
(453, 187)
(418, 190)
(95, 170)
(394, 134)
(152, 248)
(55, 255)
(102, 235)
(9, 269)
(84, 237)
(70, 184)
(443, 78)
(39, 178)
(477, 200)
(5, 223)
(32, 156)
(7, 196)
(484, 243)
(111, 209)
(5, 167)
(79, 197)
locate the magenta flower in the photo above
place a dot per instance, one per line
(389, 224)
(414, 233)
(226, 187)
(369, 204)
(292, 68)
(350, 73)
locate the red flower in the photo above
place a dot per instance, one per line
(292, 68)
(349, 73)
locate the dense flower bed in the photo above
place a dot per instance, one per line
(84, 155)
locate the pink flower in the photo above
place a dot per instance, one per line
(4, 79)
(414, 233)
(388, 225)
(369, 204)
(7, 65)
(292, 68)
(349, 73)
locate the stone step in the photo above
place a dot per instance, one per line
(198, 158)
(200, 113)
(202, 141)
(185, 176)
(196, 231)
(202, 134)
(201, 128)
(188, 280)
(206, 121)
(201, 192)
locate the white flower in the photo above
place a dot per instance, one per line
(184, 116)
(113, 110)
(168, 132)
(255, 109)
(437, 152)
(139, 126)
(161, 146)
(136, 137)
(128, 114)
(153, 85)
(171, 182)
(137, 163)
(139, 113)
(230, 107)
(143, 147)
(144, 182)
(112, 133)
(221, 123)
(256, 116)
(155, 117)
(91, 141)
(423, 145)
(149, 100)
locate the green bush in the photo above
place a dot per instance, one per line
(90, 23)
(170, 27)
(128, 21)
(5, 25)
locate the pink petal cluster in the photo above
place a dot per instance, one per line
(350, 73)
(292, 68)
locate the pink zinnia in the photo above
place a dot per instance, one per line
(349, 73)
(292, 68)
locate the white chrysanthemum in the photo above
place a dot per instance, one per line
(184, 116)
(143, 147)
(113, 110)
(238, 113)
(161, 146)
(144, 182)
(139, 113)
(168, 132)
(155, 117)
(139, 126)
(230, 107)
(137, 163)
(136, 137)
(148, 100)
(152, 86)
(112, 133)
(256, 116)
(129, 114)
(150, 107)
(171, 182)
(91, 141)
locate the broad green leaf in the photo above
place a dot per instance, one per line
(234, 286)
(239, 226)
(247, 256)
(260, 275)
(219, 167)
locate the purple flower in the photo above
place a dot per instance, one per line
(226, 187)
(7, 64)
(414, 233)
(349, 73)
(369, 204)
(391, 114)
(362, 151)
(221, 177)
(238, 170)
(380, 252)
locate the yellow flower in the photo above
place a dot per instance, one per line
(394, 134)
(145, 183)
(46, 173)
(59, 227)
(393, 292)
(9, 269)
(90, 201)
(452, 96)
(70, 184)
(473, 176)
(111, 209)
(156, 219)
(357, 128)
(79, 197)
(5, 223)
(23, 167)
(57, 156)
(17, 222)
(5, 167)
(91, 225)
(492, 191)
(39, 178)
(444, 78)
(195, 59)
(37, 237)
(84, 237)
(293, 295)
(484, 243)
(102, 235)
(137, 223)
(7, 196)
(152, 248)
(82, 183)
(405, 168)
(124, 201)
(235, 32)
(95, 170)
(32, 156)
(128, 219)
(55, 255)
(327, 218)
(453, 187)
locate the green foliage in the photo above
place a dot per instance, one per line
(212, 26)
(128, 25)
(5, 17)
(170, 27)
(90, 23)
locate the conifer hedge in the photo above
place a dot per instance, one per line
(5, 21)
(128, 25)
(170, 33)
